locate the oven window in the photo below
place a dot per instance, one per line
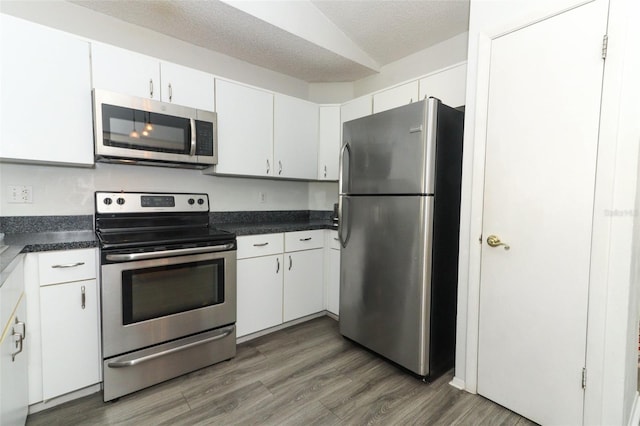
(164, 290)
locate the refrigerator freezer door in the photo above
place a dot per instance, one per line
(385, 276)
(391, 152)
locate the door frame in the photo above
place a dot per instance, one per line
(601, 394)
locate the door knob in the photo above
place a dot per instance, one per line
(494, 241)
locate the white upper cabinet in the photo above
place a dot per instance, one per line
(356, 108)
(245, 130)
(45, 96)
(295, 138)
(396, 96)
(123, 71)
(186, 86)
(328, 142)
(449, 86)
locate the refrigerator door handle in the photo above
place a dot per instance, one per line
(343, 223)
(345, 147)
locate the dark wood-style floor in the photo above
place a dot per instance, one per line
(304, 375)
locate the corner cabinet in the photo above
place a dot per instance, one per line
(46, 95)
(329, 142)
(13, 354)
(123, 71)
(65, 296)
(295, 138)
(245, 130)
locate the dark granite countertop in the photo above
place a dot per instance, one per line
(18, 244)
(36, 234)
(275, 227)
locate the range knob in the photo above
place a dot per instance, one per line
(107, 201)
(191, 201)
(200, 201)
(120, 201)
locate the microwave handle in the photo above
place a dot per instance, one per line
(192, 151)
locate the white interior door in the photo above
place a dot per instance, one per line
(542, 136)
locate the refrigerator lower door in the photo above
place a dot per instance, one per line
(385, 276)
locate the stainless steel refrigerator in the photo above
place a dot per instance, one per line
(399, 211)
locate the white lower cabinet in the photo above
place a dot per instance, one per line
(259, 294)
(303, 284)
(274, 285)
(70, 339)
(332, 268)
(13, 354)
(64, 336)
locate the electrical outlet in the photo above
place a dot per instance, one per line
(20, 193)
(262, 197)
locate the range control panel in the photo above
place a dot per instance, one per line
(141, 202)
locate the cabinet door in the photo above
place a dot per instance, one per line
(395, 97)
(70, 337)
(45, 96)
(329, 142)
(245, 130)
(186, 86)
(449, 86)
(333, 279)
(295, 137)
(13, 371)
(303, 284)
(356, 108)
(122, 71)
(259, 294)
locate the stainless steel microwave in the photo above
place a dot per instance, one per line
(136, 130)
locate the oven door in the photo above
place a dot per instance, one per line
(147, 302)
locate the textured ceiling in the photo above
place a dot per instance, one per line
(355, 37)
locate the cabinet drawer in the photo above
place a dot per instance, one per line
(303, 240)
(66, 266)
(333, 241)
(259, 245)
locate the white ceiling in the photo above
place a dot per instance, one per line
(313, 40)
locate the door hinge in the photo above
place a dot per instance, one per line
(584, 378)
(605, 44)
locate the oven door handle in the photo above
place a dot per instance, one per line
(130, 362)
(168, 253)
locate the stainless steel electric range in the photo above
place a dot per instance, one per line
(168, 288)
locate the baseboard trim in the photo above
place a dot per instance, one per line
(80, 393)
(634, 419)
(457, 383)
(287, 324)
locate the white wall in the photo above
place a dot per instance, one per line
(69, 191)
(612, 333)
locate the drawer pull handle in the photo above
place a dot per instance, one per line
(68, 265)
(260, 245)
(305, 239)
(83, 297)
